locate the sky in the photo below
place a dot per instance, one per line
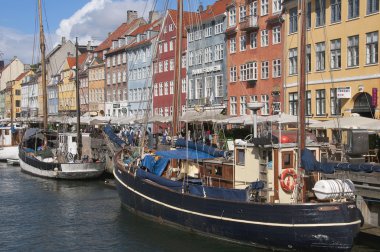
(89, 20)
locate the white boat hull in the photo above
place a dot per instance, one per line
(68, 170)
(8, 152)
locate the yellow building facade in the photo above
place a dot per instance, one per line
(66, 88)
(342, 58)
(96, 86)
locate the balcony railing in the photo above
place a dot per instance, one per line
(249, 23)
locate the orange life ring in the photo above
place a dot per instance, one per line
(288, 180)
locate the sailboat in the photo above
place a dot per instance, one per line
(39, 153)
(261, 197)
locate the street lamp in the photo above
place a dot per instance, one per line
(255, 106)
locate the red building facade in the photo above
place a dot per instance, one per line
(163, 68)
(254, 55)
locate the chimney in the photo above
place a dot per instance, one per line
(1, 64)
(88, 46)
(109, 34)
(131, 15)
(63, 40)
(200, 8)
(153, 16)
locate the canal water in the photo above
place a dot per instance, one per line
(47, 215)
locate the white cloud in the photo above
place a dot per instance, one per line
(14, 43)
(90, 23)
(98, 17)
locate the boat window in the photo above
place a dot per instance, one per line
(208, 170)
(240, 156)
(6, 132)
(287, 159)
(219, 170)
(74, 140)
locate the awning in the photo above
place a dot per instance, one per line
(351, 122)
(208, 115)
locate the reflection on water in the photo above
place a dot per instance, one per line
(39, 214)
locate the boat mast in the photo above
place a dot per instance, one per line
(12, 82)
(79, 136)
(302, 90)
(177, 69)
(43, 67)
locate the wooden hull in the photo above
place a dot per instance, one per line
(312, 226)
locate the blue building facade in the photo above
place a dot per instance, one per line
(206, 60)
(139, 55)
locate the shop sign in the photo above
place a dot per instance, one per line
(343, 92)
(206, 70)
(116, 105)
(374, 97)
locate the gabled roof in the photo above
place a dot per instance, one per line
(81, 58)
(216, 9)
(119, 32)
(21, 76)
(188, 17)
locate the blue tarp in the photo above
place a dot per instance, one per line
(113, 137)
(177, 185)
(309, 163)
(201, 147)
(188, 154)
(156, 167)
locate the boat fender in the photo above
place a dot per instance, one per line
(288, 180)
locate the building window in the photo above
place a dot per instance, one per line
(293, 103)
(243, 45)
(293, 55)
(198, 57)
(233, 45)
(308, 15)
(353, 51)
(320, 11)
(265, 70)
(219, 52)
(353, 9)
(372, 47)
(248, 71)
(335, 54)
(191, 58)
(372, 6)
(232, 16)
(183, 85)
(160, 89)
(276, 32)
(253, 8)
(264, 7)
(242, 12)
(190, 95)
(321, 102)
(265, 101)
(166, 88)
(171, 87)
(208, 31)
(253, 40)
(155, 89)
(233, 105)
(171, 65)
(243, 105)
(208, 86)
(293, 20)
(219, 86)
(334, 102)
(198, 88)
(233, 74)
(320, 56)
(308, 58)
(276, 6)
(276, 68)
(308, 103)
(240, 158)
(264, 38)
(335, 11)
(219, 27)
(208, 54)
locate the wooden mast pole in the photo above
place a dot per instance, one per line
(177, 70)
(43, 67)
(79, 135)
(302, 92)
